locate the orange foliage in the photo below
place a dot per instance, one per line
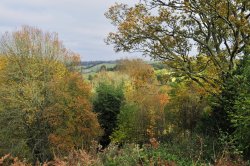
(38, 82)
(71, 116)
(163, 99)
(139, 71)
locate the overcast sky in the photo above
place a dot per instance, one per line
(81, 24)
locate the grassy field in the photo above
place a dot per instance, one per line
(97, 68)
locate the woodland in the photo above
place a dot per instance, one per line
(189, 106)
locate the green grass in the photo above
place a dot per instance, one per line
(96, 68)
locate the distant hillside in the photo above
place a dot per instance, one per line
(95, 66)
(89, 64)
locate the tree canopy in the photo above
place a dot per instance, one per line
(44, 104)
(200, 39)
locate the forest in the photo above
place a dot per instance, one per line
(189, 106)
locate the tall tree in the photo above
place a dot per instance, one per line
(191, 36)
(43, 103)
(107, 105)
(237, 103)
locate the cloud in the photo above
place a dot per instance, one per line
(13, 16)
(80, 23)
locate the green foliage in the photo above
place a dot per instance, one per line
(107, 105)
(229, 145)
(142, 113)
(128, 129)
(232, 113)
(133, 154)
(187, 106)
(176, 153)
(241, 121)
(158, 65)
(103, 68)
(164, 76)
(240, 108)
(113, 155)
(13, 137)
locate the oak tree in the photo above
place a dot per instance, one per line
(191, 36)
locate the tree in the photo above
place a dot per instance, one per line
(142, 113)
(190, 36)
(238, 105)
(70, 114)
(103, 68)
(44, 105)
(188, 104)
(107, 105)
(140, 72)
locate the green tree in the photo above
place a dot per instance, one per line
(232, 111)
(238, 107)
(107, 105)
(103, 68)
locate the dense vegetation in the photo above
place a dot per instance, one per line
(45, 105)
(188, 108)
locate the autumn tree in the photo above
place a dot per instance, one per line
(188, 105)
(142, 114)
(190, 36)
(140, 72)
(201, 40)
(44, 105)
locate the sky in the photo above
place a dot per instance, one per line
(81, 24)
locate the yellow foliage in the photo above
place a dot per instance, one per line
(3, 61)
(150, 99)
(50, 101)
